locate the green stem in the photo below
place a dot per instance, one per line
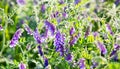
(3, 46)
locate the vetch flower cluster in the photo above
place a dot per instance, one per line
(16, 37)
(59, 43)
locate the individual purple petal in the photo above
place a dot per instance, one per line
(50, 27)
(102, 48)
(27, 28)
(69, 57)
(40, 50)
(43, 8)
(74, 39)
(72, 31)
(64, 14)
(22, 66)
(59, 43)
(82, 63)
(45, 62)
(95, 34)
(36, 36)
(109, 29)
(1, 28)
(59, 20)
(21, 2)
(16, 37)
(76, 1)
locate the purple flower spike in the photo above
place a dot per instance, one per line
(43, 8)
(102, 48)
(22, 66)
(76, 2)
(69, 57)
(82, 63)
(109, 29)
(45, 62)
(16, 37)
(40, 50)
(21, 2)
(1, 28)
(27, 28)
(59, 43)
(36, 36)
(50, 27)
(72, 31)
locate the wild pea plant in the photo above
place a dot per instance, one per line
(59, 34)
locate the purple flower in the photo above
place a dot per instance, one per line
(35, 2)
(74, 39)
(114, 51)
(72, 31)
(22, 66)
(102, 48)
(15, 37)
(117, 2)
(76, 2)
(40, 50)
(94, 65)
(87, 31)
(36, 36)
(50, 27)
(115, 58)
(61, 1)
(21, 2)
(43, 8)
(82, 63)
(1, 28)
(27, 28)
(45, 62)
(116, 47)
(69, 57)
(59, 43)
(55, 15)
(109, 29)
